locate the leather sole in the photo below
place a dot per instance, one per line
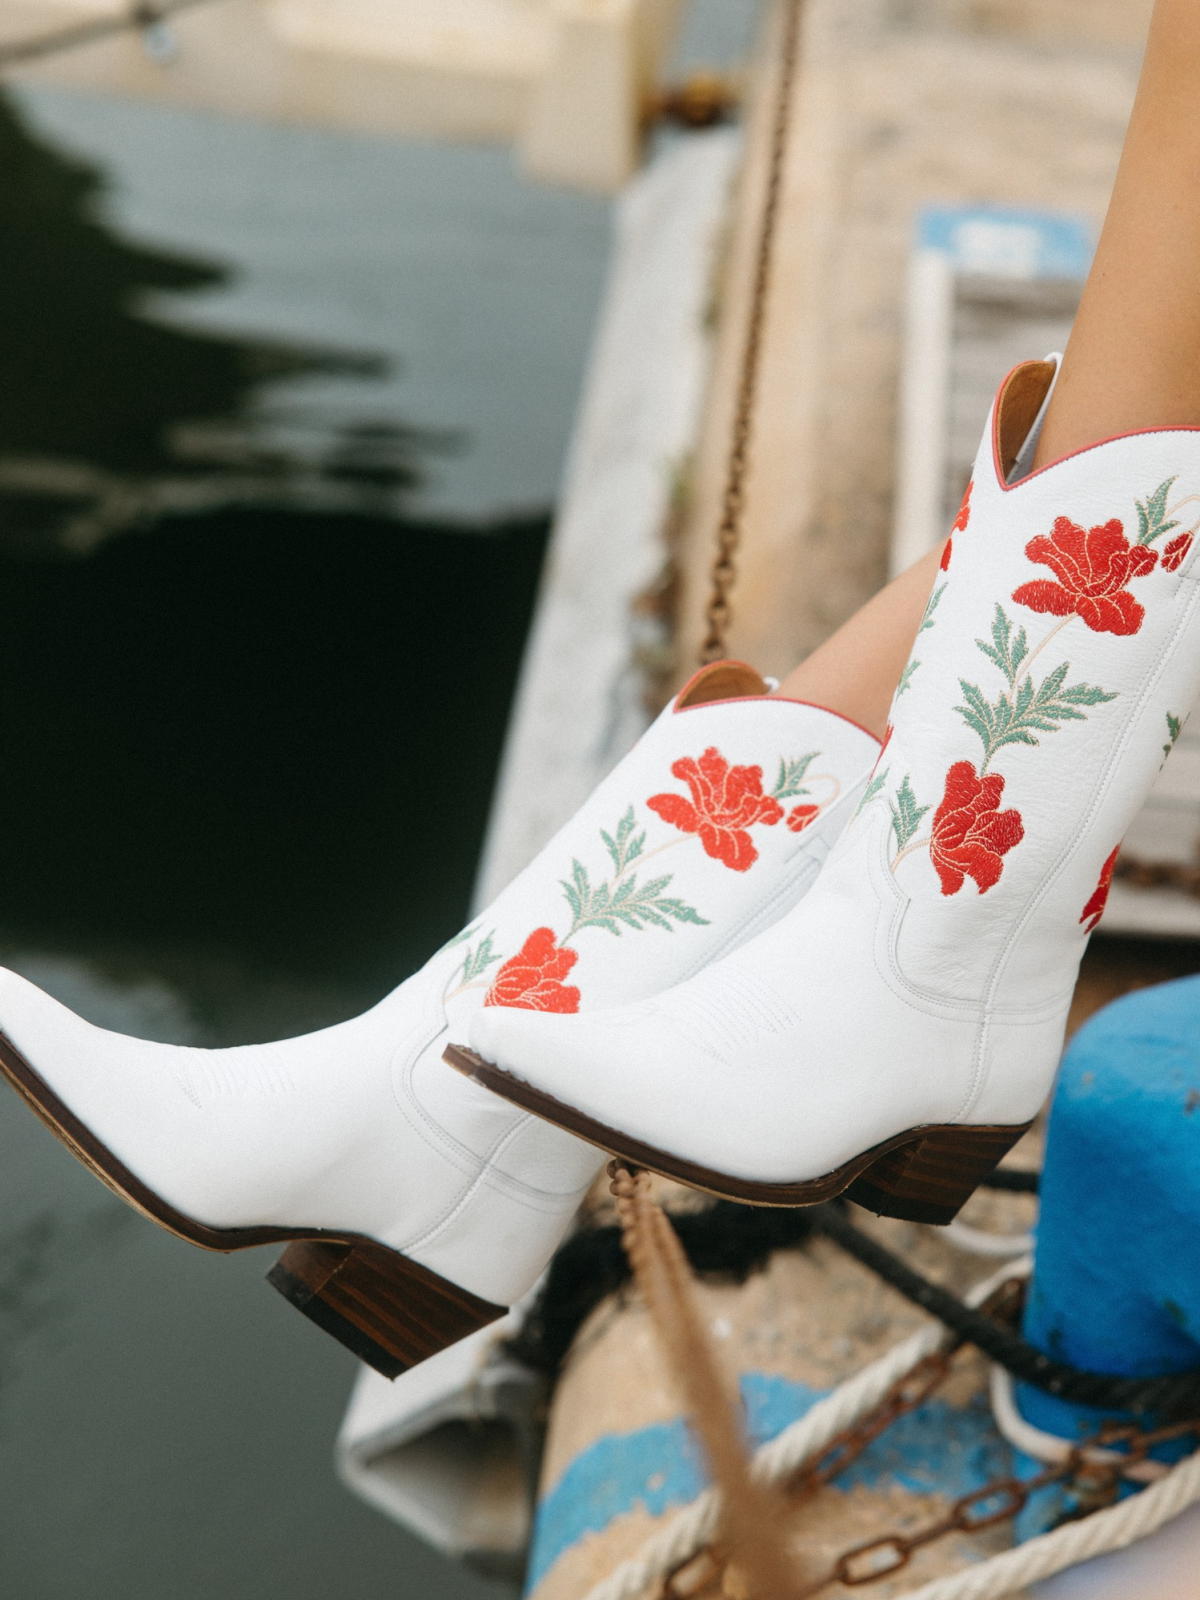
(926, 1174)
(390, 1311)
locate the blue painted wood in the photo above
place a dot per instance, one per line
(1116, 1284)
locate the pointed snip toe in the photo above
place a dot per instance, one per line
(390, 1311)
(415, 1206)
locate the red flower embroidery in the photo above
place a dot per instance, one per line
(964, 512)
(1175, 553)
(970, 832)
(725, 802)
(1092, 568)
(530, 979)
(1094, 910)
(800, 816)
(957, 526)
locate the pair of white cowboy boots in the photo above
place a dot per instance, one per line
(662, 982)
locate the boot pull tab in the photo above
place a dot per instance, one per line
(722, 680)
(1018, 408)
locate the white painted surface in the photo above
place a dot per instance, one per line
(415, 1449)
(924, 404)
(579, 705)
(567, 78)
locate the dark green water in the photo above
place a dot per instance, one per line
(252, 696)
(281, 420)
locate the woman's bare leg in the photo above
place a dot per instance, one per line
(1133, 360)
(857, 669)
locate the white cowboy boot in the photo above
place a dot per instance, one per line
(424, 1205)
(896, 1032)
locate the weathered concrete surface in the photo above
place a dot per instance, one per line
(898, 103)
(566, 80)
(579, 705)
(810, 1319)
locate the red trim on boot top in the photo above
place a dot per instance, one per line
(1133, 433)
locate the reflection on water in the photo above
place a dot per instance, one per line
(110, 419)
(252, 692)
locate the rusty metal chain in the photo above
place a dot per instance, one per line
(1139, 874)
(729, 529)
(998, 1501)
(1002, 1500)
(905, 1395)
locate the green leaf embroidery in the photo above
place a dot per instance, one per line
(1152, 513)
(906, 677)
(611, 905)
(790, 782)
(906, 813)
(1016, 719)
(931, 607)
(480, 959)
(1008, 653)
(1174, 728)
(624, 847)
(872, 789)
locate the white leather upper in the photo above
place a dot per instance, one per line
(361, 1127)
(927, 976)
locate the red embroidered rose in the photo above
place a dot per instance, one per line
(964, 511)
(1094, 910)
(957, 526)
(725, 802)
(530, 979)
(1092, 567)
(970, 832)
(1176, 552)
(799, 817)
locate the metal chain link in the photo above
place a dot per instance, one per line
(998, 1501)
(1003, 1499)
(1140, 874)
(729, 529)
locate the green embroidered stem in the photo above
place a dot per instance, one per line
(1152, 514)
(1018, 716)
(906, 813)
(906, 677)
(789, 784)
(909, 849)
(931, 606)
(1057, 628)
(872, 789)
(618, 904)
(475, 964)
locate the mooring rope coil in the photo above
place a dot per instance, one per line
(1112, 1529)
(693, 1527)
(1099, 1534)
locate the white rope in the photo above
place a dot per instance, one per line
(1103, 1531)
(1048, 1447)
(978, 1242)
(1120, 1525)
(693, 1527)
